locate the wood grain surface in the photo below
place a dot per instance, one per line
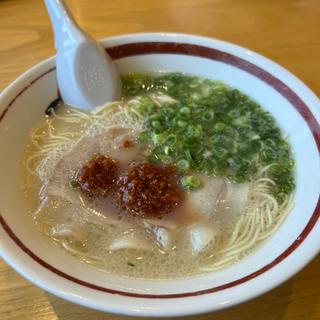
(287, 31)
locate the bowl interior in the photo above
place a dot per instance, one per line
(30, 96)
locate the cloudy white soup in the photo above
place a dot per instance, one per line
(181, 176)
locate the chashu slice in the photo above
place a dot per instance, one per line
(56, 175)
(235, 203)
(132, 241)
(206, 199)
(162, 235)
(219, 198)
(200, 235)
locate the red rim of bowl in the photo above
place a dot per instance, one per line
(141, 48)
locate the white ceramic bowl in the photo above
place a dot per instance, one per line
(295, 107)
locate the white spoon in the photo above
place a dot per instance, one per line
(86, 75)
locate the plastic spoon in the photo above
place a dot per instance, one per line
(86, 75)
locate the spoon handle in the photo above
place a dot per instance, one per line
(66, 30)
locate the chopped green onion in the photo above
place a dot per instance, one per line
(171, 139)
(185, 110)
(143, 137)
(74, 183)
(154, 116)
(166, 159)
(183, 165)
(155, 124)
(190, 182)
(209, 128)
(181, 123)
(157, 139)
(208, 116)
(207, 154)
(167, 150)
(130, 264)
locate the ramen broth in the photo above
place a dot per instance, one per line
(174, 180)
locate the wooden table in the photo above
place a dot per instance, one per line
(287, 31)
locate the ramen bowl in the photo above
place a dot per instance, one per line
(283, 254)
